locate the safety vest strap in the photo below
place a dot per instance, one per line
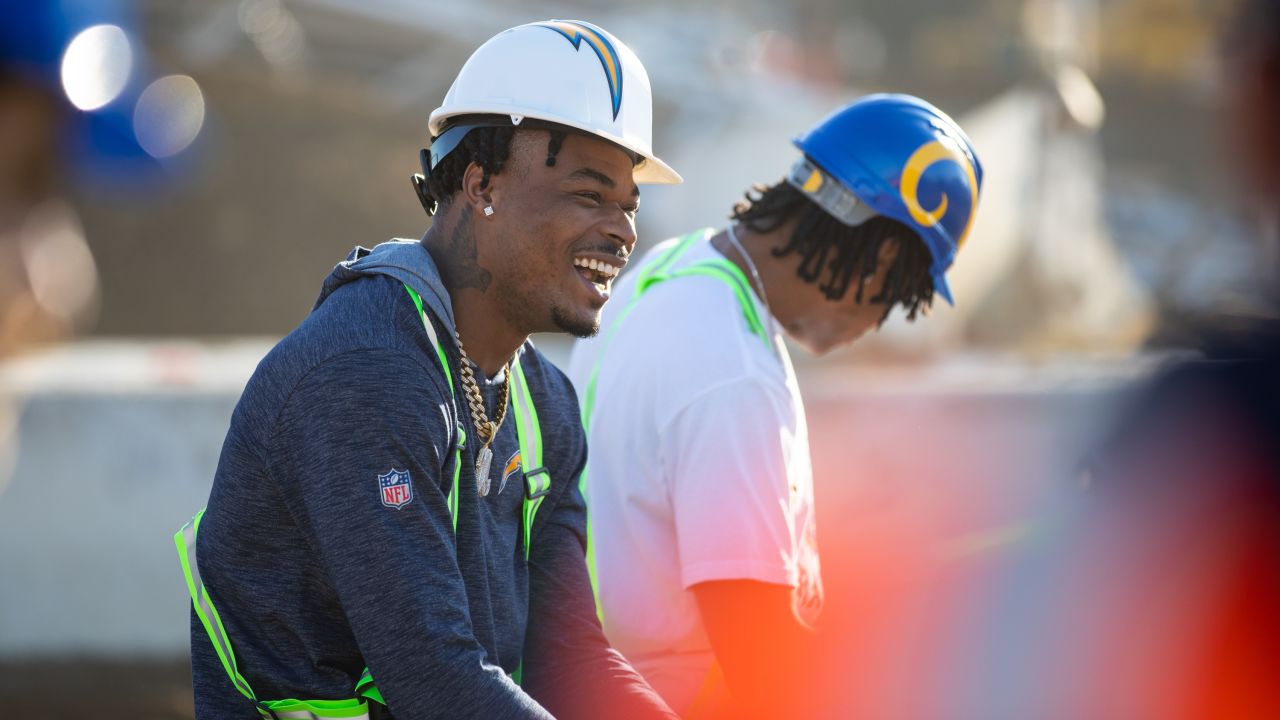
(366, 689)
(537, 479)
(452, 497)
(724, 270)
(185, 540)
(315, 710)
(354, 708)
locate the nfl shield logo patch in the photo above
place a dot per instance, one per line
(396, 489)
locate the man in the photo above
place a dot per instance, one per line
(700, 485)
(385, 537)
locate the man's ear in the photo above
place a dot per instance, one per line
(477, 198)
(887, 253)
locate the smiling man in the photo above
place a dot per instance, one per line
(700, 488)
(395, 527)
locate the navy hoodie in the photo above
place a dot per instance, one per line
(315, 576)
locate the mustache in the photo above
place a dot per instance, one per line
(619, 251)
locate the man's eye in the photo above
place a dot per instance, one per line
(592, 196)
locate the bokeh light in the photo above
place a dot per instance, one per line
(96, 65)
(60, 266)
(169, 115)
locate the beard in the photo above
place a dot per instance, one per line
(576, 328)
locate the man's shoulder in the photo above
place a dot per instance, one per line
(363, 334)
(688, 329)
(688, 306)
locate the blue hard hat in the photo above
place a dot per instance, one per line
(897, 156)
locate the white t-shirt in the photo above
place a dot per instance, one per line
(698, 467)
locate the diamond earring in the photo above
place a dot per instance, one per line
(488, 210)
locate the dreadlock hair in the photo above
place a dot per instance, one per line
(832, 253)
(488, 147)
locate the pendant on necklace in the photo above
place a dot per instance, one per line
(483, 459)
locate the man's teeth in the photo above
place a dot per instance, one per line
(604, 268)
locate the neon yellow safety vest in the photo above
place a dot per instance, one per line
(658, 270)
(537, 486)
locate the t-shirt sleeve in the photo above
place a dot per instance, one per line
(726, 454)
(360, 421)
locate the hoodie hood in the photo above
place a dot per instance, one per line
(405, 260)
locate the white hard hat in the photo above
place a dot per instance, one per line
(562, 71)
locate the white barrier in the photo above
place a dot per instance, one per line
(116, 446)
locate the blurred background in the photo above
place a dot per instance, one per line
(209, 161)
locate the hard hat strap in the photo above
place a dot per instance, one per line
(449, 140)
(828, 193)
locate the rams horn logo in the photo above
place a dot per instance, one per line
(576, 32)
(920, 161)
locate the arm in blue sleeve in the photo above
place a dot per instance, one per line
(394, 570)
(568, 665)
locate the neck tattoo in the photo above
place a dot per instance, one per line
(486, 429)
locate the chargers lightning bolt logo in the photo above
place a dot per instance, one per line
(576, 32)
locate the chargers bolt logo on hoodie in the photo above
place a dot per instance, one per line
(512, 467)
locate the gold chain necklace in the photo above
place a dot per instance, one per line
(486, 429)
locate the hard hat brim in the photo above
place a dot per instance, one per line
(650, 171)
(943, 288)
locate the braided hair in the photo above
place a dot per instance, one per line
(833, 254)
(488, 147)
